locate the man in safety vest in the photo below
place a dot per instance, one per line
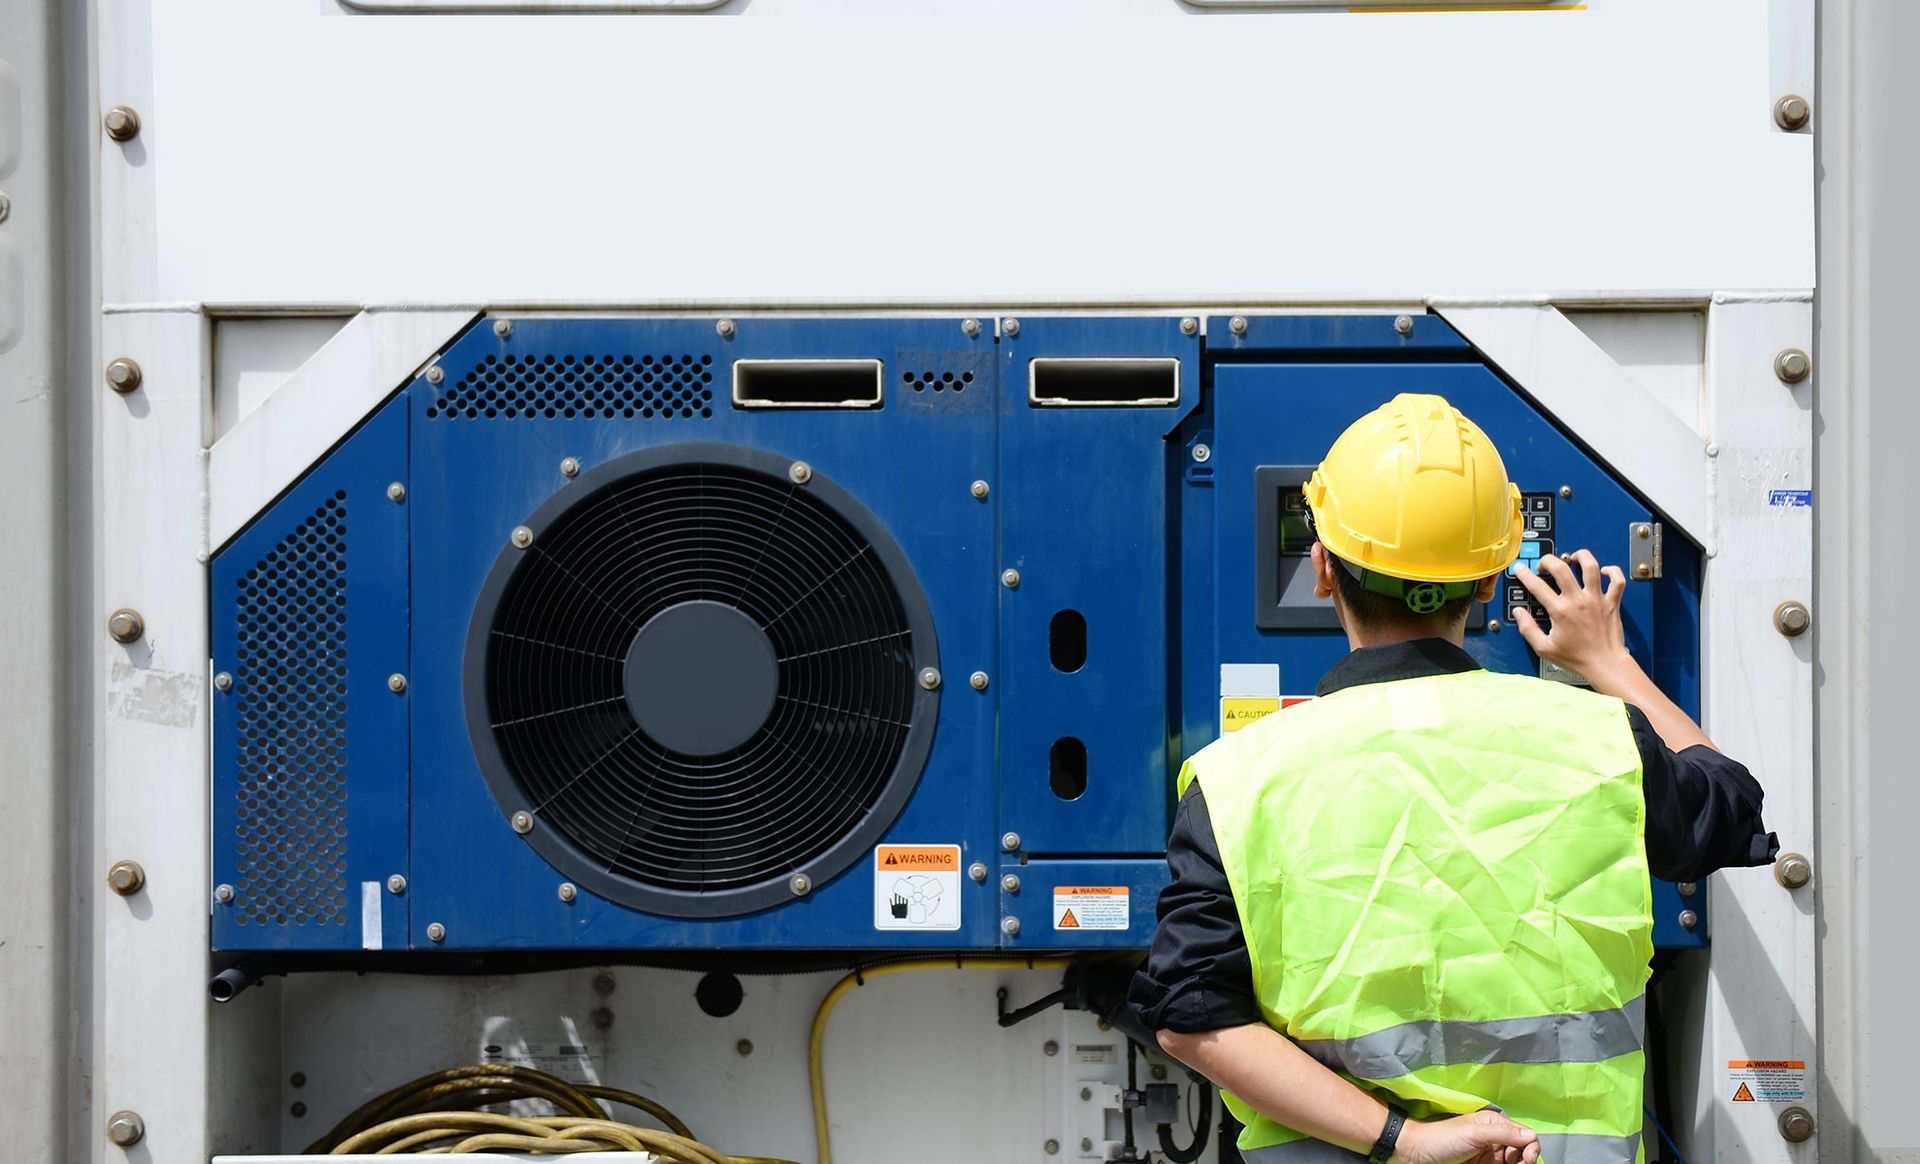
(1411, 919)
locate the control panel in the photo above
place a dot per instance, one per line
(1537, 513)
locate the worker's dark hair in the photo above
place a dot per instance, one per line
(1377, 610)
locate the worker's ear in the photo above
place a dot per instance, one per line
(1323, 569)
(1488, 588)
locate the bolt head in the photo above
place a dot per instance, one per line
(1086, 1143)
(971, 327)
(569, 466)
(436, 374)
(1052, 1147)
(1086, 1093)
(1792, 366)
(1010, 326)
(930, 679)
(223, 681)
(1796, 1125)
(1793, 870)
(1495, 626)
(1643, 531)
(1688, 919)
(744, 1046)
(604, 983)
(522, 537)
(725, 328)
(1686, 888)
(396, 492)
(1792, 112)
(436, 932)
(503, 328)
(1189, 325)
(1792, 618)
(126, 1128)
(122, 123)
(977, 871)
(1202, 453)
(396, 884)
(1050, 1048)
(601, 1018)
(123, 375)
(1566, 491)
(1643, 570)
(800, 884)
(1010, 842)
(1010, 883)
(223, 894)
(799, 472)
(567, 891)
(1009, 926)
(396, 683)
(1010, 579)
(126, 877)
(980, 489)
(522, 822)
(1237, 325)
(978, 680)
(126, 626)
(1403, 324)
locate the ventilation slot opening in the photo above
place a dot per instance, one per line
(1067, 641)
(806, 383)
(1068, 382)
(1067, 768)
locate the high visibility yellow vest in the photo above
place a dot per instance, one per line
(1443, 883)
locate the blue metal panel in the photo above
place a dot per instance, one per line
(309, 619)
(1033, 903)
(1344, 337)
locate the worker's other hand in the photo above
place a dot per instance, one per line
(1484, 1137)
(1587, 636)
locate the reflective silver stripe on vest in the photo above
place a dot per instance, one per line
(1555, 1038)
(1553, 1150)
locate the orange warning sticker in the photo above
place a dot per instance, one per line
(916, 887)
(1091, 907)
(1744, 1095)
(923, 858)
(1767, 1080)
(1067, 920)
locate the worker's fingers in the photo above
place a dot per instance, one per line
(1616, 585)
(1562, 575)
(1537, 586)
(1531, 1153)
(1589, 570)
(1530, 631)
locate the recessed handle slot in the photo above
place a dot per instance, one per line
(807, 383)
(1092, 382)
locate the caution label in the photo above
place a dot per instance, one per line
(916, 887)
(1767, 1080)
(1238, 713)
(1091, 907)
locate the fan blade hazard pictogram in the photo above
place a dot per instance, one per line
(1068, 921)
(1744, 1095)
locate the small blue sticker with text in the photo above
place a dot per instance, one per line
(1791, 498)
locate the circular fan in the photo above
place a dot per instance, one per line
(701, 679)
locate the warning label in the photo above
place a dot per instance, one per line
(916, 887)
(1239, 711)
(1091, 907)
(1767, 1080)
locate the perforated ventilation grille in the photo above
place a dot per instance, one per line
(290, 688)
(947, 381)
(531, 387)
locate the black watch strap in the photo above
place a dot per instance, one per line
(1389, 1136)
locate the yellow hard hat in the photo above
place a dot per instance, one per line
(1414, 490)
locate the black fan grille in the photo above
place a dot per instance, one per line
(635, 809)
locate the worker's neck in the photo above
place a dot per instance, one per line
(1387, 635)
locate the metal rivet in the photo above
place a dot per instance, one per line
(799, 472)
(396, 492)
(800, 884)
(1796, 1125)
(567, 891)
(1202, 453)
(6, 208)
(1052, 1147)
(725, 328)
(1010, 883)
(1010, 579)
(126, 1128)
(569, 466)
(1642, 530)
(298, 1109)
(436, 932)
(1793, 870)
(930, 678)
(1688, 919)
(522, 822)
(970, 326)
(978, 680)
(1189, 325)
(223, 682)
(744, 1046)
(601, 1018)
(1050, 1048)
(1158, 1071)
(503, 328)
(1566, 491)
(122, 123)
(1009, 926)
(1403, 324)
(1792, 618)
(1713, 450)
(396, 884)
(1792, 112)
(1643, 570)
(1086, 1093)
(977, 871)
(980, 489)
(435, 375)
(1010, 841)
(1495, 626)
(126, 877)
(1010, 326)
(1237, 325)
(1086, 1143)
(522, 537)
(126, 626)
(1686, 888)
(604, 983)
(123, 375)
(223, 894)
(1792, 366)
(396, 683)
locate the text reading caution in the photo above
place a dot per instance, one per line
(916, 887)
(1091, 907)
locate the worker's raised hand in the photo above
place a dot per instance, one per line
(1587, 636)
(1484, 1137)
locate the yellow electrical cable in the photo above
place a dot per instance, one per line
(816, 1040)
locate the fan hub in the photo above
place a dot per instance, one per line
(701, 678)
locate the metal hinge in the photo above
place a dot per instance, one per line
(1644, 557)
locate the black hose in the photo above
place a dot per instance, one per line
(1202, 1131)
(228, 983)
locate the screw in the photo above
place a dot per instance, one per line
(123, 124)
(1403, 324)
(523, 822)
(567, 892)
(1050, 1048)
(503, 328)
(1086, 1144)
(1796, 1125)
(1010, 842)
(930, 678)
(126, 1128)
(603, 983)
(1202, 453)
(1158, 1071)
(1010, 926)
(396, 492)
(980, 489)
(1010, 326)
(1086, 1093)
(725, 328)
(1052, 1147)
(1792, 870)
(1643, 531)
(569, 466)
(123, 375)
(978, 680)
(1688, 919)
(1792, 366)
(223, 894)
(396, 683)
(1495, 626)
(126, 626)
(298, 1109)
(801, 884)
(1010, 579)
(1237, 325)
(522, 537)
(223, 682)
(1643, 570)
(601, 1018)
(744, 1046)
(1792, 112)
(971, 327)
(298, 1079)
(436, 932)
(977, 871)
(126, 877)
(1566, 491)
(6, 208)
(396, 884)
(1792, 618)
(1010, 883)
(1686, 888)
(435, 374)
(800, 472)
(1189, 325)
(1713, 450)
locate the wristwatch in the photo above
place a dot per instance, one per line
(1389, 1136)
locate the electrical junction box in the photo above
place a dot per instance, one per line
(800, 634)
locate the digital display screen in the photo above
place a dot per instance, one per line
(1295, 534)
